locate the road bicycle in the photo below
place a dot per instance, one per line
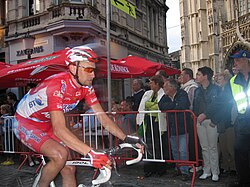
(104, 173)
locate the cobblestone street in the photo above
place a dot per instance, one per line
(130, 176)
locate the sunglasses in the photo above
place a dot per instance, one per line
(87, 69)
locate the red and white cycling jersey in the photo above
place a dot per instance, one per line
(57, 92)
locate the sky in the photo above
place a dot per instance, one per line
(173, 25)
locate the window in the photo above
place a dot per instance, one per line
(242, 7)
(248, 6)
(57, 2)
(138, 4)
(79, 1)
(33, 7)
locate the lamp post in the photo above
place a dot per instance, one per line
(28, 43)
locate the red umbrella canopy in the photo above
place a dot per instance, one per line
(33, 70)
(133, 66)
(4, 65)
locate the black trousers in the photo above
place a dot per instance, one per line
(154, 167)
(242, 152)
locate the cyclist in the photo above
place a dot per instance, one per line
(40, 122)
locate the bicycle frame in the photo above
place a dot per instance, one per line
(105, 173)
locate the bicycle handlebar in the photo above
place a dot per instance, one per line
(105, 173)
(139, 157)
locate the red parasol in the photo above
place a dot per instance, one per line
(133, 66)
(33, 70)
(4, 65)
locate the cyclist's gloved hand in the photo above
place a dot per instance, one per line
(134, 140)
(98, 159)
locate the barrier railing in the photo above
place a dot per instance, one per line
(163, 131)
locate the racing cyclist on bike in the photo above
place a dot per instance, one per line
(40, 122)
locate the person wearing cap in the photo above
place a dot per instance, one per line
(237, 93)
(40, 121)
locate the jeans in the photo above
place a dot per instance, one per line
(180, 152)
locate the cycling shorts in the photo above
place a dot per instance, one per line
(31, 134)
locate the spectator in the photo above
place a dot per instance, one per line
(176, 99)
(138, 90)
(7, 132)
(235, 92)
(149, 102)
(204, 95)
(12, 100)
(128, 123)
(189, 85)
(163, 74)
(226, 132)
(146, 85)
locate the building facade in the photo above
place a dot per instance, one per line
(208, 30)
(57, 24)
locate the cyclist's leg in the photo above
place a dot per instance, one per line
(68, 174)
(32, 135)
(57, 155)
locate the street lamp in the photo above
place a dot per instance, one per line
(28, 43)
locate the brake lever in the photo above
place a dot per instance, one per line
(114, 164)
(145, 146)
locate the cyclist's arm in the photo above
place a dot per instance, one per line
(63, 133)
(107, 123)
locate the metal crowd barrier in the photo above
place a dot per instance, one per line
(10, 144)
(87, 128)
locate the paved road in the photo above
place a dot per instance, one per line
(130, 176)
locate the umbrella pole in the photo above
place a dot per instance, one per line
(108, 54)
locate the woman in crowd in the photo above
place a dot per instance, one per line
(149, 124)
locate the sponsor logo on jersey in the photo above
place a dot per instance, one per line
(78, 93)
(57, 93)
(93, 100)
(68, 107)
(59, 106)
(43, 134)
(46, 114)
(37, 101)
(67, 99)
(91, 90)
(63, 87)
(29, 135)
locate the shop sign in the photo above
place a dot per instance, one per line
(38, 49)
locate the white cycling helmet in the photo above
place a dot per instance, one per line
(80, 53)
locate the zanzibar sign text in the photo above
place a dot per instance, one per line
(38, 49)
